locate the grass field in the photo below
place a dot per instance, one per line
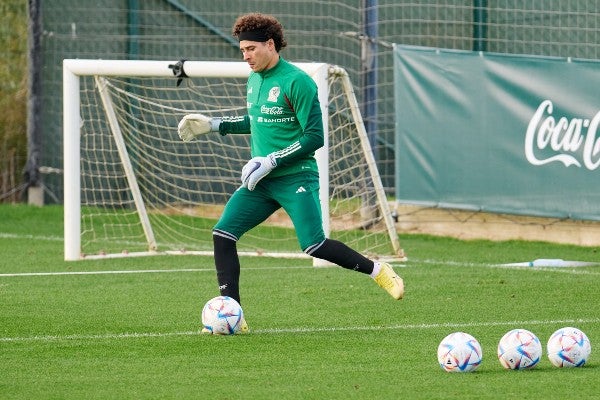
(128, 328)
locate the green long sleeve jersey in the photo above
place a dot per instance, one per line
(284, 117)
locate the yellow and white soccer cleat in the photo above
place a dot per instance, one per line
(244, 326)
(388, 279)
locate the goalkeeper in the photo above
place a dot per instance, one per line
(285, 122)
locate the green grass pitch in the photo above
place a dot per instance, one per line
(128, 328)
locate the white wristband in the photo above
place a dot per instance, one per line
(215, 123)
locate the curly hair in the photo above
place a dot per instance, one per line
(267, 23)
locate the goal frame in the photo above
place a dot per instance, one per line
(73, 69)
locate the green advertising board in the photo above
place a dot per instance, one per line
(499, 133)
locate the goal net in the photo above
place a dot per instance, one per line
(132, 187)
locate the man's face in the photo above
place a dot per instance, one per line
(259, 55)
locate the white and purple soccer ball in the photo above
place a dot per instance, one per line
(222, 315)
(519, 349)
(568, 347)
(459, 352)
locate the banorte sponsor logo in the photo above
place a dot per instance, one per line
(564, 137)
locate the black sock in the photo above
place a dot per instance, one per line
(228, 267)
(342, 255)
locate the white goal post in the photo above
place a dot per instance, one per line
(132, 188)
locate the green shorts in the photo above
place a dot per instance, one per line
(298, 194)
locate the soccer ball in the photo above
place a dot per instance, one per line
(459, 352)
(222, 315)
(519, 349)
(568, 347)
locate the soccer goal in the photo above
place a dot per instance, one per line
(133, 188)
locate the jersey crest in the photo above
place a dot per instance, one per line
(274, 94)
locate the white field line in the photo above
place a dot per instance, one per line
(142, 271)
(148, 271)
(452, 325)
(572, 270)
(6, 235)
(415, 263)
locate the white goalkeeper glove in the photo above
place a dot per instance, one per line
(256, 169)
(193, 125)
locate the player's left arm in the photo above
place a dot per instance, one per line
(305, 101)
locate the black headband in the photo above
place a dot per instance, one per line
(259, 35)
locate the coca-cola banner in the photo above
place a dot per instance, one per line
(500, 133)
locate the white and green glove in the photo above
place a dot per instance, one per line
(194, 125)
(256, 169)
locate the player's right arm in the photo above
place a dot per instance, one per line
(193, 125)
(235, 125)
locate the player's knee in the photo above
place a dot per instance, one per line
(220, 235)
(310, 250)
